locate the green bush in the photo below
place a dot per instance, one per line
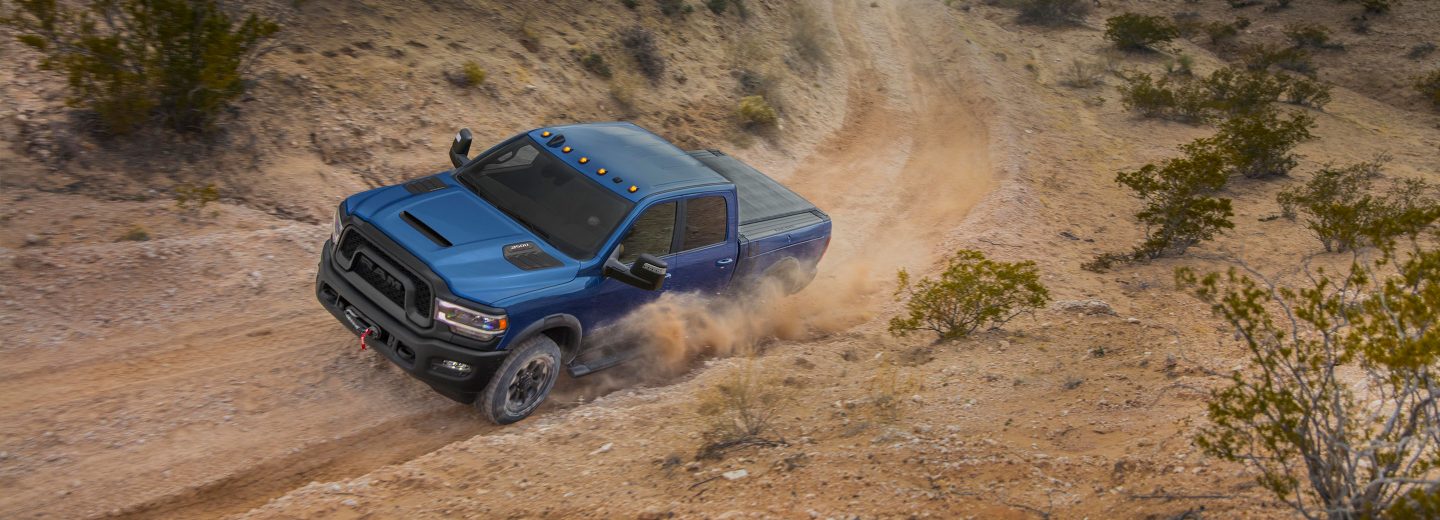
(1429, 87)
(1303, 91)
(1132, 31)
(136, 233)
(176, 62)
(1260, 144)
(1260, 58)
(1312, 36)
(474, 75)
(675, 7)
(1221, 33)
(1235, 91)
(1377, 6)
(1187, 102)
(1336, 407)
(972, 292)
(754, 110)
(1341, 210)
(640, 42)
(1179, 208)
(1053, 12)
(595, 63)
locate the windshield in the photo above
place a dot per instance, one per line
(542, 193)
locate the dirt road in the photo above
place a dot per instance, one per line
(240, 388)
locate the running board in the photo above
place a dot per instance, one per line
(580, 367)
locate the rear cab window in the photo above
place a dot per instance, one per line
(706, 220)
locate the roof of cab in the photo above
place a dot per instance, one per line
(629, 156)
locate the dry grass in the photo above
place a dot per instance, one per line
(742, 409)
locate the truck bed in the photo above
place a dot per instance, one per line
(775, 223)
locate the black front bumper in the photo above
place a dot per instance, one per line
(403, 344)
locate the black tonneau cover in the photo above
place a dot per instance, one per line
(761, 198)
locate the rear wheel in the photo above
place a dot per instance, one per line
(522, 382)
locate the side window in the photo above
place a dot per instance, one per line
(652, 233)
(704, 222)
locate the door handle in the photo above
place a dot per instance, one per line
(724, 262)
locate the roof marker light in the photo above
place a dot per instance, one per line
(565, 149)
(634, 188)
(545, 133)
(602, 171)
(584, 160)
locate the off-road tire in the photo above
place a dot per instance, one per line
(498, 402)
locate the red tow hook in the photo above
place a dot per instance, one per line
(364, 335)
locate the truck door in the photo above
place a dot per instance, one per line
(707, 253)
(653, 232)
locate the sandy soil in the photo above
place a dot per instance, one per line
(191, 375)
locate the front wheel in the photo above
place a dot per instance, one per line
(522, 382)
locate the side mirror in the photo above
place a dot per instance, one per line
(647, 273)
(460, 149)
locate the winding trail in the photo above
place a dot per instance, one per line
(231, 416)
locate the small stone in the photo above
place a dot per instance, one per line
(605, 448)
(350, 502)
(735, 475)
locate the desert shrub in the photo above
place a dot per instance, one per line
(193, 197)
(1179, 208)
(1182, 65)
(136, 233)
(1187, 101)
(175, 62)
(1377, 6)
(971, 292)
(807, 33)
(1336, 408)
(1241, 4)
(1312, 36)
(1342, 211)
(720, 6)
(640, 43)
(1260, 144)
(1132, 31)
(1261, 57)
(1083, 74)
(1421, 50)
(1053, 12)
(675, 7)
(630, 4)
(755, 111)
(742, 410)
(1428, 86)
(474, 75)
(1278, 5)
(595, 63)
(1304, 91)
(1221, 33)
(1235, 91)
(887, 393)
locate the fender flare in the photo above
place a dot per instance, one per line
(565, 329)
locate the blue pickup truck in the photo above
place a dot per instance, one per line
(485, 280)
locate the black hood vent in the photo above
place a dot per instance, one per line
(424, 229)
(425, 185)
(529, 257)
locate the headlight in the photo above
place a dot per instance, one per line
(335, 226)
(470, 323)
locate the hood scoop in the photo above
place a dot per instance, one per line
(425, 185)
(529, 257)
(425, 229)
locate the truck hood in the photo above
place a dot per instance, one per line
(473, 264)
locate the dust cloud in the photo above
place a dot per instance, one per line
(679, 330)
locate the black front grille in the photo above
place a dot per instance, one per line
(388, 283)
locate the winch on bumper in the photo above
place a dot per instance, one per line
(361, 292)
